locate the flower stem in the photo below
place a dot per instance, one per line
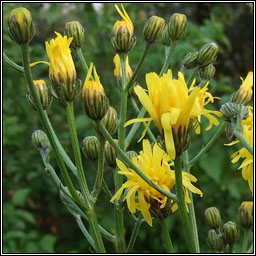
(127, 160)
(82, 180)
(135, 233)
(82, 59)
(208, 145)
(100, 169)
(13, 64)
(166, 235)
(189, 236)
(167, 59)
(192, 76)
(134, 75)
(245, 240)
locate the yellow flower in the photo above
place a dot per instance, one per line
(62, 69)
(174, 108)
(140, 195)
(247, 164)
(247, 84)
(118, 68)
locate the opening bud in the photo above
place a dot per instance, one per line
(177, 26)
(20, 25)
(245, 214)
(190, 60)
(207, 54)
(153, 29)
(212, 216)
(40, 140)
(230, 232)
(75, 30)
(110, 154)
(43, 94)
(90, 147)
(131, 154)
(207, 72)
(110, 120)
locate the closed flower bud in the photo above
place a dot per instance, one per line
(233, 111)
(110, 120)
(212, 215)
(131, 154)
(220, 244)
(110, 155)
(230, 232)
(166, 40)
(43, 94)
(95, 102)
(40, 140)
(90, 147)
(245, 214)
(177, 26)
(190, 60)
(207, 54)
(20, 26)
(207, 72)
(212, 239)
(75, 30)
(153, 29)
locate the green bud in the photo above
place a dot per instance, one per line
(230, 232)
(20, 26)
(110, 155)
(220, 244)
(212, 216)
(166, 40)
(245, 214)
(110, 120)
(233, 111)
(40, 140)
(75, 30)
(207, 72)
(43, 94)
(190, 60)
(212, 239)
(90, 147)
(177, 26)
(131, 154)
(153, 29)
(207, 54)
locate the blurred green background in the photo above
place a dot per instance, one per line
(34, 219)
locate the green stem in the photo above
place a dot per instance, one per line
(135, 233)
(106, 189)
(126, 159)
(100, 170)
(182, 69)
(245, 240)
(191, 214)
(134, 75)
(189, 236)
(208, 145)
(63, 169)
(167, 236)
(13, 64)
(167, 59)
(82, 59)
(192, 76)
(82, 180)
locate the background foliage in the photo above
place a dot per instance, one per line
(34, 219)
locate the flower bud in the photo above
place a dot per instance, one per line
(166, 40)
(220, 244)
(153, 29)
(95, 102)
(177, 26)
(190, 60)
(230, 232)
(207, 72)
(90, 147)
(75, 30)
(233, 111)
(43, 94)
(20, 25)
(245, 214)
(40, 140)
(212, 238)
(131, 154)
(212, 215)
(207, 54)
(110, 120)
(110, 155)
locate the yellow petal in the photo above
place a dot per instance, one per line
(137, 120)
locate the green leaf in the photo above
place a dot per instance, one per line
(14, 234)
(20, 196)
(47, 243)
(28, 217)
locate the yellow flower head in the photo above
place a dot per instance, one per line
(62, 69)
(140, 195)
(247, 84)
(118, 68)
(172, 106)
(247, 164)
(125, 22)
